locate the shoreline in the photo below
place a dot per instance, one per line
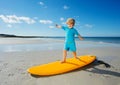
(49, 45)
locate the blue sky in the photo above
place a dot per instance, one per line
(38, 17)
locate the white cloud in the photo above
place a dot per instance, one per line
(27, 20)
(46, 21)
(88, 25)
(65, 7)
(12, 19)
(42, 4)
(51, 26)
(61, 19)
(63, 23)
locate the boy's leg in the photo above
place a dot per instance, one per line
(73, 50)
(64, 56)
(75, 55)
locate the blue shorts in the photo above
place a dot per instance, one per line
(70, 47)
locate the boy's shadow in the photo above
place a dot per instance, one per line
(94, 69)
(98, 70)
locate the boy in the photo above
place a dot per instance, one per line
(70, 38)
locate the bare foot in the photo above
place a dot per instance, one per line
(63, 61)
(77, 58)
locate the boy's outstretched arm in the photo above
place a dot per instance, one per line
(79, 36)
(58, 26)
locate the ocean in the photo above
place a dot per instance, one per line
(115, 40)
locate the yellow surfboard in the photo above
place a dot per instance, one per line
(57, 67)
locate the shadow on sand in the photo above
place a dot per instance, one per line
(94, 69)
(100, 70)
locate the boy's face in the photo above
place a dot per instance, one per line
(70, 25)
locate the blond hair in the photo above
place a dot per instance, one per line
(71, 21)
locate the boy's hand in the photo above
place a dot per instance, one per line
(58, 26)
(80, 37)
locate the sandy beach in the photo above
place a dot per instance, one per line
(17, 55)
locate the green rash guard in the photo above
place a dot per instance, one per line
(70, 38)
